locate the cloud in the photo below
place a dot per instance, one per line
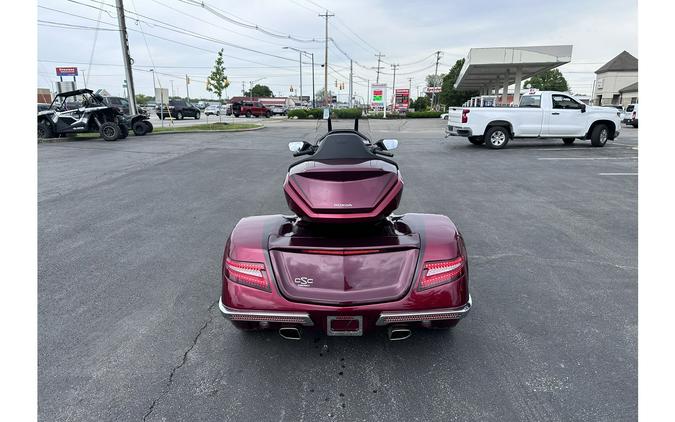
(405, 31)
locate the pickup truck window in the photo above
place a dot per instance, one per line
(531, 101)
(563, 102)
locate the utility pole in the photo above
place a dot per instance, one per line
(300, 55)
(379, 59)
(172, 93)
(393, 87)
(409, 87)
(326, 97)
(313, 89)
(187, 90)
(154, 86)
(125, 55)
(243, 88)
(433, 95)
(351, 86)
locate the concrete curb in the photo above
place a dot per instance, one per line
(67, 139)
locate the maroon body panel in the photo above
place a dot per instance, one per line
(252, 238)
(343, 191)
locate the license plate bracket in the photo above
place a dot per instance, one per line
(344, 325)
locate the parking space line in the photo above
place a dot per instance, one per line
(586, 158)
(617, 174)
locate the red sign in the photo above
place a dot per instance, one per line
(66, 71)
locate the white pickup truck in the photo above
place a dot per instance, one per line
(545, 114)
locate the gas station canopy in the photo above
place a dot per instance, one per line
(488, 68)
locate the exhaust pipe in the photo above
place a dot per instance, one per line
(290, 333)
(398, 333)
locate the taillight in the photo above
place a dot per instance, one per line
(250, 274)
(465, 115)
(437, 273)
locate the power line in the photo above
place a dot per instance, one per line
(217, 12)
(172, 27)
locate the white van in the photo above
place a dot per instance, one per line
(631, 115)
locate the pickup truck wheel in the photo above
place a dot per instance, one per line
(179, 116)
(197, 116)
(496, 137)
(248, 114)
(110, 131)
(568, 141)
(476, 140)
(599, 136)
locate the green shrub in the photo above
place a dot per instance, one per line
(424, 114)
(299, 113)
(347, 113)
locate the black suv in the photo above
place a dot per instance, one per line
(178, 109)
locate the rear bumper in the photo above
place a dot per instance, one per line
(422, 316)
(301, 318)
(382, 318)
(458, 131)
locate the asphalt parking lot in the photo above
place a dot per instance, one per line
(131, 235)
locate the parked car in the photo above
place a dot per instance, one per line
(631, 115)
(279, 110)
(250, 108)
(212, 110)
(178, 109)
(545, 114)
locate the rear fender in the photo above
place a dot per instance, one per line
(502, 123)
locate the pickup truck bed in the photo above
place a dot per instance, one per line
(546, 114)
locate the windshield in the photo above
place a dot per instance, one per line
(532, 101)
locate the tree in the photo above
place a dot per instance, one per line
(434, 80)
(259, 91)
(320, 95)
(550, 80)
(217, 82)
(143, 99)
(421, 103)
(449, 95)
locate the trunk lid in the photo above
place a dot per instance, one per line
(344, 271)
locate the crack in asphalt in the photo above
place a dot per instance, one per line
(167, 386)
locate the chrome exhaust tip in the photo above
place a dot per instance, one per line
(398, 333)
(290, 333)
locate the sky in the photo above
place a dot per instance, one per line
(179, 37)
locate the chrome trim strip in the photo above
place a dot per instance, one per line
(437, 314)
(262, 315)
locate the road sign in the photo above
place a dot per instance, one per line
(162, 96)
(378, 96)
(433, 89)
(66, 71)
(402, 99)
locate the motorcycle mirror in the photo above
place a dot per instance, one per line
(296, 146)
(390, 144)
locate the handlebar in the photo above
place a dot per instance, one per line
(300, 153)
(383, 152)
